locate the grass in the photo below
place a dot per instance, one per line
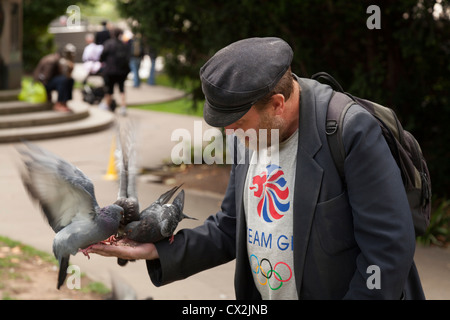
(96, 287)
(25, 252)
(28, 251)
(181, 106)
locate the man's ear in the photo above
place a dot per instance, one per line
(278, 103)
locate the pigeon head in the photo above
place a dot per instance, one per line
(116, 212)
(112, 212)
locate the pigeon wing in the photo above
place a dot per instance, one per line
(126, 161)
(62, 190)
(169, 220)
(126, 158)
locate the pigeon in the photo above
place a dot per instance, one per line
(126, 162)
(159, 220)
(120, 289)
(154, 223)
(66, 197)
(127, 198)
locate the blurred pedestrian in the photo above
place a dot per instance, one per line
(153, 55)
(134, 44)
(55, 73)
(116, 60)
(91, 55)
(104, 34)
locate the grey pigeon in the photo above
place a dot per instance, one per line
(159, 220)
(120, 289)
(126, 162)
(66, 197)
(127, 198)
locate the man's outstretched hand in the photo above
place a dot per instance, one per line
(126, 249)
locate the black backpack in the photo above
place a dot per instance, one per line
(404, 148)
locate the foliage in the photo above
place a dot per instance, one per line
(438, 232)
(404, 65)
(37, 15)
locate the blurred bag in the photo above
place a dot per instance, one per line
(32, 91)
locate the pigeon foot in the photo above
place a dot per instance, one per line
(111, 240)
(85, 251)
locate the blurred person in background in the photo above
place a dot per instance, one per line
(55, 72)
(116, 60)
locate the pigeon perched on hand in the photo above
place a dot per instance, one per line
(159, 220)
(127, 198)
(66, 197)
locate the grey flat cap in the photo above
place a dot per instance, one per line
(237, 76)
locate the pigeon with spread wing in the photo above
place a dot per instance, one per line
(157, 221)
(66, 197)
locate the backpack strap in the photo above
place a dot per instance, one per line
(325, 76)
(337, 108)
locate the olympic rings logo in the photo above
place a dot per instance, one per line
(271, 271)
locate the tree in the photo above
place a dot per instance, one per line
(405, 64)
(37, 16)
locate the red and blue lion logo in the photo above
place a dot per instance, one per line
(272, 191)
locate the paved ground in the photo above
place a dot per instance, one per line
(21, 220)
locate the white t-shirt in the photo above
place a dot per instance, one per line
(268, 204)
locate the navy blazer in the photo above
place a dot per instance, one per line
(339, 231)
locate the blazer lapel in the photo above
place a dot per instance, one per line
(243, 280)
(308, 179)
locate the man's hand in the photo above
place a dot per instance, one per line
(126, 249)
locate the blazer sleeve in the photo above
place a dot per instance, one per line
(382, 221)
(198, 249)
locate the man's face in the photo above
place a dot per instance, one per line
(250, 128)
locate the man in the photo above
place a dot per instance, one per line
(295, 230)
(134, 44)
(104, 34)
(116, 58)
(55, 73)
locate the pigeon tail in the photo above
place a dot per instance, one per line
(185, 216)
(123, 262)
(63, 265)
(179, 203)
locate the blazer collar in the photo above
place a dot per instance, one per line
(309, 174)
(309, 140)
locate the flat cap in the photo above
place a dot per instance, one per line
(237, 76)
